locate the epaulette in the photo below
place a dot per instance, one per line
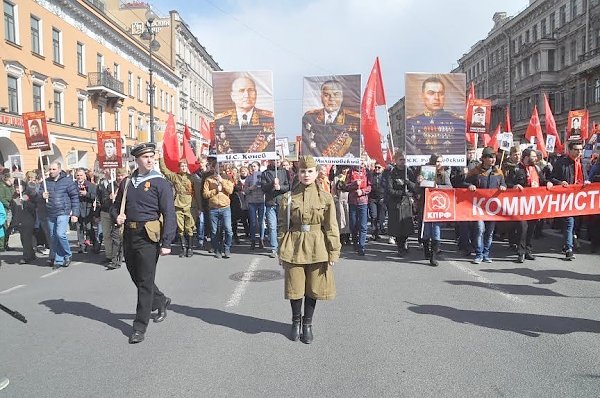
(263, 112)
(352, 113)
(457, 115)
(314, 111)
(225, 114)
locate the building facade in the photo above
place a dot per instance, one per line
(552, 47)
(71, 60)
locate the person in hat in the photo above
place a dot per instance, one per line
(148, 199)
(309, 245)
(485, 175)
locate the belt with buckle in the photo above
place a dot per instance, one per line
(306, 227)
(134, 224)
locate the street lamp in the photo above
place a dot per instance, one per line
(150, 34)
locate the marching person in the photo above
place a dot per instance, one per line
(87, 201)
(274, 183)
(359, 187)
(309, 245)
(485, 176)
(528, 174)
(147, 197)
(217, 188)
(183, 185)
(401, 189)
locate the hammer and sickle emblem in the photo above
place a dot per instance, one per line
(439, 202)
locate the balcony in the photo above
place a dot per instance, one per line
(102, 85)
(589, 60)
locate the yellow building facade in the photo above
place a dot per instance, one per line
(76, 63)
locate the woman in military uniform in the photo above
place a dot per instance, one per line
(309, 245)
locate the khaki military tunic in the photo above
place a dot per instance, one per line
(183, 185)
(311, 241)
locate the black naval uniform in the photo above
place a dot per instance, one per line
(151, 199)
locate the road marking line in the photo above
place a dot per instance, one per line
(12, 289)
(487, 282)
(50, 273)
(240, 289)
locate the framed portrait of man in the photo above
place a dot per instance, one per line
(331, 119)
(244, 126)
(15, 163)
(435, 117)
(36, 131)
(109, 149)
(577, 123)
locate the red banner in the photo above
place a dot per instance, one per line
(109, 149)
(442, 205)
(36, 130)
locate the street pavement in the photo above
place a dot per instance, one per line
(398, 328)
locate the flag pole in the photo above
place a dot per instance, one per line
(43, 174)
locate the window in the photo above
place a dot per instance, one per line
(162, 100)
(562, 15)
(130, 126)
(116, 71)
(562, 55)
(551, 56)
(13, 94)
(536, 62)
(37, 97)
(552, 24)
(99, 62)
(35, 35)
(10, 31)
(81, 112)
(57, 106)
(117, 121)
(583, 45)
(597, 91)
(573, 9)
(80, 58)
(527, 36)
(147, 93)
(129, 83)
(139, 88)
(534, 33)
(543, 27)
(56, 50)
(100, 118)
(573, 51)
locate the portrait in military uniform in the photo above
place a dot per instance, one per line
(435, 117)
(36, 131)
(331, 121)
(109, 153)
(244, 121)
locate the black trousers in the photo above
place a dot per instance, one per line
(525, 231)
(141, 256)
(26, 232)
(377, 211)
(85, 229)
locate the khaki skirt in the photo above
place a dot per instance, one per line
(313, 280)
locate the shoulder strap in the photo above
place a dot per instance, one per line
(124, 198)
(289, 209)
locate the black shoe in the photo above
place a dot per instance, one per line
(521, 258)
(110, 266)
(569, 255)
(162, 311)
(529, 256)
(307, 334)
(136, 337)
(295, 332)
(227, 254)
(433, 262)
(50, 263)
(67, 262)
(253, 245)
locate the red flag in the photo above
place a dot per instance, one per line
(551, 126)
(171, 146)
(470, 137)
(535, 130)
(508, 127)
(492, 140)
(374, 95)
(471, 95)
(188, 152)
(205, 129)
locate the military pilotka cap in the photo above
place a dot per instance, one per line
(143, 148)
(488, 152)
(306, 162)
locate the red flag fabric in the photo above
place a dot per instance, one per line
(188, 152)
(551, 126)
(535, 130)
(471, 138)
(492, 140)
(374, 95)
(471, 95)
(508, 127)
(205, 129)
(171, 145)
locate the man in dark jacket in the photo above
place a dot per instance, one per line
(568, 170)
(275, 181)
(528, 174)
(63, 202)
(485, 176)
(87, 198)
(377, 208)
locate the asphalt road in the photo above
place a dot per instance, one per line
(398, 328)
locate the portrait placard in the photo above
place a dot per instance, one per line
(110, 155)
(36, 130)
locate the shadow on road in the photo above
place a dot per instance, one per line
(532, 325)
(519, 290)
(546, 277)
(90, 311)
(242, 323)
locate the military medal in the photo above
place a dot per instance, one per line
(147, 186)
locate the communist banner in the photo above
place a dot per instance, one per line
(443, 205)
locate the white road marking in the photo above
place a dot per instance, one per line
(50, 273)
(240, 289)
(486, 282)
(12, 289)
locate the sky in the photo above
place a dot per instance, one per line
(335, 37)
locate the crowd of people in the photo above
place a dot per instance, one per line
(222, 201)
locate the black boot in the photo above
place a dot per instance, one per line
(435, 247)
(295, 332)
(189, 251)
(307, 333)
(426, 248)
(182, 242)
